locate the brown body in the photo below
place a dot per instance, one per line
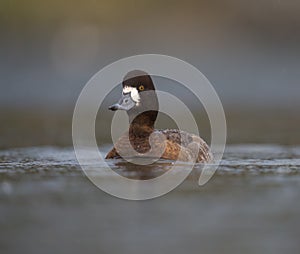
(193, 148)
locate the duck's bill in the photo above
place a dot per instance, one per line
(125, 103)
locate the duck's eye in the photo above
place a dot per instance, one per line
(141, 88)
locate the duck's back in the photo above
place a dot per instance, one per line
(189, 146)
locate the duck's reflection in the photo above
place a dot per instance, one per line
(141, 169)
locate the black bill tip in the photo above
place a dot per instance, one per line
(113, 107)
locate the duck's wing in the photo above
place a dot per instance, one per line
(174, 151)
(188, 144)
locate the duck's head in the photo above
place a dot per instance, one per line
(138, 97)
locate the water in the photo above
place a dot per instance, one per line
(251, 205)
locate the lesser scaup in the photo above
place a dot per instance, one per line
(176, 144)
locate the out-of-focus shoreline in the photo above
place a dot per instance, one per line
(36, 127)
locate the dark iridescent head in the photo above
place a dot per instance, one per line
(138, 97)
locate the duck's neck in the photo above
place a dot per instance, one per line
(142, 125)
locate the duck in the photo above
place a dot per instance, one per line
(142, 138)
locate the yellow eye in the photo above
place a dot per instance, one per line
(141, 88)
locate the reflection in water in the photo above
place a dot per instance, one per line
(141, 172)
(152, 170)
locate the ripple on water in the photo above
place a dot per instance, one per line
(238, 159)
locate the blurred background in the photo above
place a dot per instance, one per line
(249, 50)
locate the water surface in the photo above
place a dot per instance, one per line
(251, 205)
